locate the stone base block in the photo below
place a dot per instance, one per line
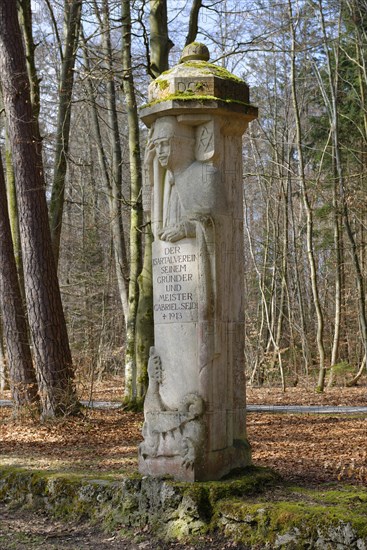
(213, 467)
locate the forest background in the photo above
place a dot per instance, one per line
(88, 65)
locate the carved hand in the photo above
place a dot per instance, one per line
(149, 152)
(178, 232)
(172, 234)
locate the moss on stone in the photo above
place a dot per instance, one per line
(245, 482)
(199, 85)
(252, 506)
(162, 84)
(133, 405)
(207, 68)
(190, 95)
(333, 494)
(317, 515)
(264, 523)
(210, 68)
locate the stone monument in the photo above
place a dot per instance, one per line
(195, 425)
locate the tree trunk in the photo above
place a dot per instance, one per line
(160, 44)
(338, 285)
(111, 183)
(3, 377)
(309, 216)
(51, 347)
(144, 318)
(136, 206)
(332, 108)
(25, 18)
(72, 16)
(193, 21)
(298, 290)
(22, 377)
(12, 207)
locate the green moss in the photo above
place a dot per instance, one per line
(133, 405)
(191, 96)
(12, 540)
(185, 529)
(162, 84)
(209, 68)
(245, 482)
(262, 523)
(199, 86)
(251, 505)
(334, 494)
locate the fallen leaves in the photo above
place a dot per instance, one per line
(302, 448)
(310, 448)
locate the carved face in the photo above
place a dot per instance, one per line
(173, 142)
(164, 150)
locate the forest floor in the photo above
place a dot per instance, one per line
(306, 449)
(303, 448)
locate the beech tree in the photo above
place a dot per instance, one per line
(110, 165)
(51, 347)
(136, 215)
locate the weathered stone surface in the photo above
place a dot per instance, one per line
(195, 51)
(195, 407)
(199, 78)
(322, 518)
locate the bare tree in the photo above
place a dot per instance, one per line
(111, 171)
(160, 43)
(51, 347)
(136, 216)
(72, 27)
(308, 211)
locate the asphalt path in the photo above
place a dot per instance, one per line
(306, 409)
(290, 409)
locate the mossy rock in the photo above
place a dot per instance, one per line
(253, 506)
(317, 521)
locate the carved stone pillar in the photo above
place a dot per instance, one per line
(195, 423)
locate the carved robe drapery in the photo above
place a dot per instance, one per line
(189, 204)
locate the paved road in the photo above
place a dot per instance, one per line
(90, 404)
(308, 409)
(290, 409)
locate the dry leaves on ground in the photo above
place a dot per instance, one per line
(302, 448)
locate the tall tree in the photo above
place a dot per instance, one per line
(22, 377)
(308, 211)
(73, 10)
(25, 19)
(330, 92)
(47, 323)
(160, 46)
(193, 21)
(136, 216)
(111, 171)
(160, 43)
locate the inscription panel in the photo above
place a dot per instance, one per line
(175, 281)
